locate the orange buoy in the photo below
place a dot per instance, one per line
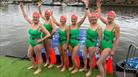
(53, 56)
(109, 66)
(36, 60)
(67, 61)
(78, 60)
(94, 62)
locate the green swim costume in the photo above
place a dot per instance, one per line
(74, 37)
(91, 38)
(49, 28)
(62, 37)
(34, 35)
(108, 39)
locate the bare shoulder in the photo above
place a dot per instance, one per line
(117, 27)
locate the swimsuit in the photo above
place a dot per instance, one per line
(91, 38)
(74, 37)
(62, 37)
(34, 36)
(49, 28)
(108, 39)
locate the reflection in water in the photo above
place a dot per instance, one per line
(14, 36)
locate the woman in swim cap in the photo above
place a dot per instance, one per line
(63, 40)
(35, 40)
(49, 25)
(110, 40)
(93, 36)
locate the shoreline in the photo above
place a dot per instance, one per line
(71, 4)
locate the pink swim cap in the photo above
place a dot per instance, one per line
(111, 14)
(74, 16)
(48, 11)
(63, 17)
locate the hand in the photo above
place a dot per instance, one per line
(112, 53)
(21, 4)
(39, 40)
(86, 2)
(39, 4)
(98, 3)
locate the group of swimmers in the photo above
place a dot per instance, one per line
(41, 36)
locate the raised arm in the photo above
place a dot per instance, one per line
(39, 8)
(117, 39)
(54, 20)
(53, 27)
(81, 21)
(86, 2)
(98, 10)
(24, 13)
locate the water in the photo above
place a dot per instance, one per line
(14, 29)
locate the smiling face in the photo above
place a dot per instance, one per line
(36, 17)
(110, 19)
(92, 19)
(47, 13)
(74, 19)
(111, 16)
(63, 20)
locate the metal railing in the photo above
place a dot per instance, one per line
(132, 52)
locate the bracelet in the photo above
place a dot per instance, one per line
(86, 8)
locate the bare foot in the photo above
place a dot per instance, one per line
(59, 66)
(71, 68)
(98, 76)
(37, 71)
(46, 64)
(83, 70)
(88, 73)
(31, 67)
(63, 69)
(50, 66)
(74, 71)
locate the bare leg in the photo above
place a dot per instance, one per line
(61, 56)
(74, 54)
(101, 60)
(71, 50)
(85, 59)
(46, 54)
(64, 58)
(38, 50)
(30, 55)
(91, 52)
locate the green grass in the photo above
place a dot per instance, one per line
(13, 67)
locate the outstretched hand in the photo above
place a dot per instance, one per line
(98, 3)
(86, 2)
(21, 3)
(39, 4)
